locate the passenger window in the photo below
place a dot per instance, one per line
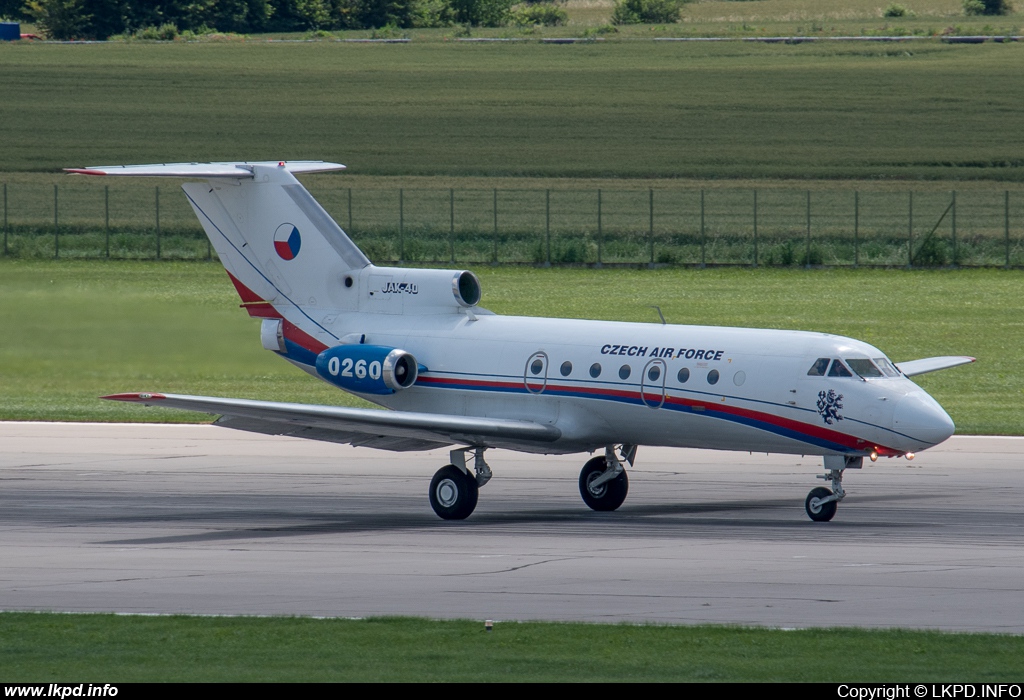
(537, 366)
(839, 370)
(624, 372)
(818, 368)
(713, 377)
(566, 368)
(865, 368)
(684, 375)
(654, 373)
(595, 370)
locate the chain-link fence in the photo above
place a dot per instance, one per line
(722, 226)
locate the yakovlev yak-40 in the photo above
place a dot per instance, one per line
(454, 374)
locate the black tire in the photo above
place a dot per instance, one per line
(609, 495)
(453, 493)
(824, 512)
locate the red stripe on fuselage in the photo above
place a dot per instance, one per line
(301, 337)
(833, 436)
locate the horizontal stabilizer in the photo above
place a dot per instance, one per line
(406, 430)
(239, 170)
(913, 368)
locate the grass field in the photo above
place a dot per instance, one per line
(614, 109)
(77, 330)
(110, 649)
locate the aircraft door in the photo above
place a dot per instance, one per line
(535, 375)
(652, 383)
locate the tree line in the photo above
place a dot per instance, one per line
(101, 19)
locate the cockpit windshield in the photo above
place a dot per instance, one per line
(865, 368)
(878, 368)
(838, 369)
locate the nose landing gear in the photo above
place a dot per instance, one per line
(821, 503)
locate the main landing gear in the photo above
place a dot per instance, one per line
(454, 490)
(821, 503)
(603, 481)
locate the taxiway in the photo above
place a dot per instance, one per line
(197, 519)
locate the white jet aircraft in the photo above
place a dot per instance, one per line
(415, 341)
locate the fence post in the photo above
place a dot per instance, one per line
(703, 240)
(547, 226)
(56, 229)
(1006, 213)
(158, 222)
(451, 218)
(650, 226)
(401, 224)
(494, 259)
(755, 228)
(856, 228)
(106, 219)
(600, 234)
(808, 261)
(953, 212)
(5, 218)
(910, 230)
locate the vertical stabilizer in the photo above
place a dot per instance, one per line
(285, 255)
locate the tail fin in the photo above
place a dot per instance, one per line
(283, 252)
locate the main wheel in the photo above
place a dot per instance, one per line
(606, 496)
(453, 493)
(820, 512)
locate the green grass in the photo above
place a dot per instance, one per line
(620, 109)
(112, 649)
(76, 330)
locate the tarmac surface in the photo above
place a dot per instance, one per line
(197, 519)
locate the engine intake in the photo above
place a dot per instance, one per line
(368, 369)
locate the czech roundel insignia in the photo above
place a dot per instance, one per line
(287, 241)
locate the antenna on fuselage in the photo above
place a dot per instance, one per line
(660, 315)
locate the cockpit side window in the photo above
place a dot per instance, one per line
(818, 368)
(865, 368)
(887, 367)
(839, 370)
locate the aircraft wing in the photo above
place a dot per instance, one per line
(932, 364)
(398, 431)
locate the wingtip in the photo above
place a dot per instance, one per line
(83, 171)
(142, 397)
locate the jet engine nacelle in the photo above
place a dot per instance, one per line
(416, 291)
(368, 369)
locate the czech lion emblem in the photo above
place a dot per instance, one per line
(829, 405)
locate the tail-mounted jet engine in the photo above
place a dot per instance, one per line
(368, 369)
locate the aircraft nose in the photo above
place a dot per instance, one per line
(920, 417)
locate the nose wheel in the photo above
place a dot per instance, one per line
(818, 508)
(821, 503)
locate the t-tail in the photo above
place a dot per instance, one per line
(291, 263)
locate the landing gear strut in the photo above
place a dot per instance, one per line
(454, 490)
(821, 503)
(603, 481)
